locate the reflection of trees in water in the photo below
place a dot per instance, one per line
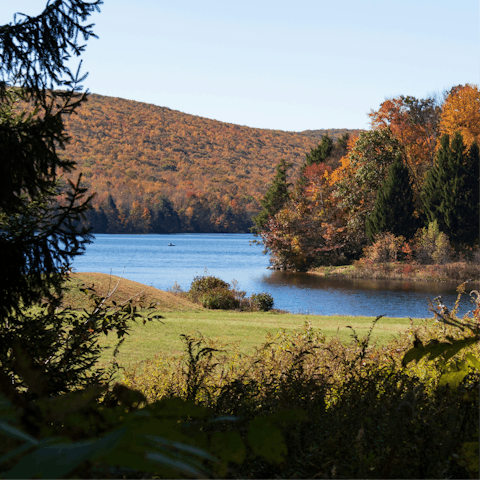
(326, 296)
(347, 284)
(315, 281)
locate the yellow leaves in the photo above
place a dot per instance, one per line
(345, 165)
(461, 112)
(340, 172)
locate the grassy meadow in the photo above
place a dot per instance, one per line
(236, 330)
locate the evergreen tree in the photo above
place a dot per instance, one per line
(317, 155)
(39, 217)
(275, 197)
(394, 207)
(165, 219)
(342, 143)
(451, 190)
(321, 152)
(113, 215)
(471, 227)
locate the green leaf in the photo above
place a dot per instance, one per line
(434, 350)
(228, 446)
(13, 432)
(182, 447)
(473, 361)
(61, 406)
(58, 460)
(454, 376)
(15, 452)
(54, 461)
(266, 440)
(108, 443)
(176, 465)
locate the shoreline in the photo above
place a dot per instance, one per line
(455, 272)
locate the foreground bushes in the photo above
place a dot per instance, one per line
(338, 410)
(301, 406)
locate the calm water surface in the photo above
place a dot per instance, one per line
(148, 259)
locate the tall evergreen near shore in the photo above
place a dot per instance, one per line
(451, 190)
(275, 197)
(394, 207)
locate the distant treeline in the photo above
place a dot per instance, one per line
(162, 217)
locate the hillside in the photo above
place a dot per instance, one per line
(122, 290)
(159, 170)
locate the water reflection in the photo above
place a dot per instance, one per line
(307, 280)
(303, 292)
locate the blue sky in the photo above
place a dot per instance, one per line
(287, 65)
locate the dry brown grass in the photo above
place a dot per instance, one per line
(123, 289)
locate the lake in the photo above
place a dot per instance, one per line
(150, 260)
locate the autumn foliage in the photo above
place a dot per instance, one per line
(159, 170)
(383, 184)
(461, 113)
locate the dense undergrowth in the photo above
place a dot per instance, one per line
(300, 406)
(338, 410)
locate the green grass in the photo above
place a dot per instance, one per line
(246, 330)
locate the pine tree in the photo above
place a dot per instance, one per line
(394, 207)
(472, 196)
(275, 197)
(321, 152)
(450, 193)
(316, 156)
(40, 217)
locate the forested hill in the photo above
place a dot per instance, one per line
(159, 170)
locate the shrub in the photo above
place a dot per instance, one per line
(214, 293)
(432, 245)
(261, 301)
(220, 298)
(385, 248)
(205, 284)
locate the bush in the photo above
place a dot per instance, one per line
(220, 298)
(432, 245)
(261, 301)
(204, 285)
(385, 248)
(215, 293)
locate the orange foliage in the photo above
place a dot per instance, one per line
(461, 112)
(141, 153)
(341, 172)
(414, 123)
